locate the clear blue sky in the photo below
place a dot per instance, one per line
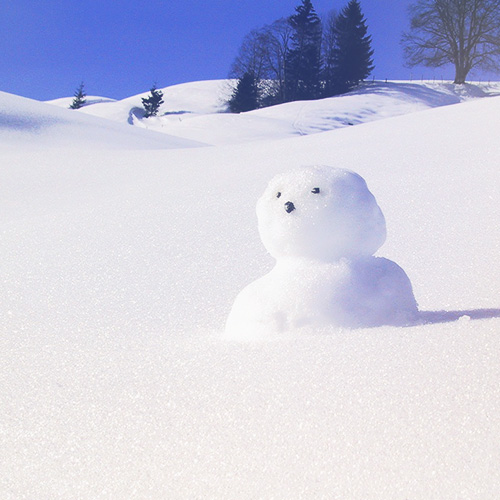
(120, 48)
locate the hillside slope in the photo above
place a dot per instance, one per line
(196, 110)
(28, 123)
(119, 269)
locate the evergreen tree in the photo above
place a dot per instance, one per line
(79, 99)
(303, 62)
(246, 94)
(152, 102)
(352, 56)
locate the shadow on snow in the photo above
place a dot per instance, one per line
(434, 317)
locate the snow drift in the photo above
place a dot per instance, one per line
(119, 268)
(27, 123)
(196, 110)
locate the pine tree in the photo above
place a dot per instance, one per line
(352, 56)
(303, 63)
(79, 99)
(152, 102)
(246, 94)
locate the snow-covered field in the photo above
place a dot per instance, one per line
(121, 253)
(195, 110)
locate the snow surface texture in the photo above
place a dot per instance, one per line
(320, 213)
(323, 226)
(118, 270)
(26, 123)
(196, 110)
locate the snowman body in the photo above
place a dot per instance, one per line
(322, 225)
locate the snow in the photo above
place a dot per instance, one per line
(180, 101)
(304, 295)
(196, 110)
(322, 225)
(65, 102)
(119, 266)
(320, 212)
(27, 123)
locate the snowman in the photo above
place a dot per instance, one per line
(322, 225)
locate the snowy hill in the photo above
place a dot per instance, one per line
(65, 102)
(28, 123)
(196, 110)
(119, 269)
(206, 97)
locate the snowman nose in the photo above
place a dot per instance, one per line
(289, 207)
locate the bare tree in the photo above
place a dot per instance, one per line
(252, 56)
(278, 37)
(262, 54)
(465, 33)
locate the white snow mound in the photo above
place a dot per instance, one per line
(118, 270)
(322, 225)
(322, 213)
(197, 110)
(29, 123)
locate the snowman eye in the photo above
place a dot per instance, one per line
(315, 190)
(278, 194)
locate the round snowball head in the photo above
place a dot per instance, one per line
(321, 213)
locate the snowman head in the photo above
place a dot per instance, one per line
(321, 213)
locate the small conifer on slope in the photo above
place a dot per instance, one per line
(152, 102)
(246, 94)
(79, 100)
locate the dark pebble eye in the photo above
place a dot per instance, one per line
(315, 191)
(278, 194)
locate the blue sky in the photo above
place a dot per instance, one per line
(119, 48)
